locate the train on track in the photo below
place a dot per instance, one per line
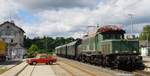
(107, 48)
(2, 51)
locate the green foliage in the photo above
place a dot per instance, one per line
(27, 42)
(33, 50)
(45, 44)
(2, 70)
(146, 33)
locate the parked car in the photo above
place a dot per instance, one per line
(42, 58)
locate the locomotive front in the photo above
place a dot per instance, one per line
(126, 54)
(120, 53)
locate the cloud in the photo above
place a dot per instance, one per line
(57, 4)
(58, 23)
(71, 17)
(69, 22)
(8, 9)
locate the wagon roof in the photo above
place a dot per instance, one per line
(61, 46)
(72, 43)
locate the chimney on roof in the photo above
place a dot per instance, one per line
(12, 21)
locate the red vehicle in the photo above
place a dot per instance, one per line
(42, 58)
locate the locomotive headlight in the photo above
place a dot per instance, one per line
(116, 51)
(134, 51)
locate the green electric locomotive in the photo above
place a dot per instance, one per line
(108, 48)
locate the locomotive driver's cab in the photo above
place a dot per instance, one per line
(112, 35)
(111, 32)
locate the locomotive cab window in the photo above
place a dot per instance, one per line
(112, 36)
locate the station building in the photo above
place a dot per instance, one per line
(14, 37)
(145, 48)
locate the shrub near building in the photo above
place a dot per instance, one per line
(32, 51)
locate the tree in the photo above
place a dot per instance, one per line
(45, 44)
(146, 33)
(33, 50)
(70, 39)
(27, 42)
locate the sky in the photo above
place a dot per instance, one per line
(70, 18)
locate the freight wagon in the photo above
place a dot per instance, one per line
(2, 51)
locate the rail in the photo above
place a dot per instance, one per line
(105, 70)
(72, 73)
(141, 73)
(24, 69)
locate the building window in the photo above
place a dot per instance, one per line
(7, 27)
(3, 33)
(8, 32)
(12, 40)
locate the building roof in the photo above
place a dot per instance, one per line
(13, 24)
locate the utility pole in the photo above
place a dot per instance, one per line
(131, 16)
(147, 39)
(46, 43)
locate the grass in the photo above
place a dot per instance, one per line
(2, 70)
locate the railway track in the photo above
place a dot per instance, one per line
(36, 70)
(75, 68)
(114, 72)
(92, 68)
(74, 71)
(20, 73)
(32, 70)
(142, 73)
(68, 71)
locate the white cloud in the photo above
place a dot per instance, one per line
(57, 4)
(8, 9)
(66, 19)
